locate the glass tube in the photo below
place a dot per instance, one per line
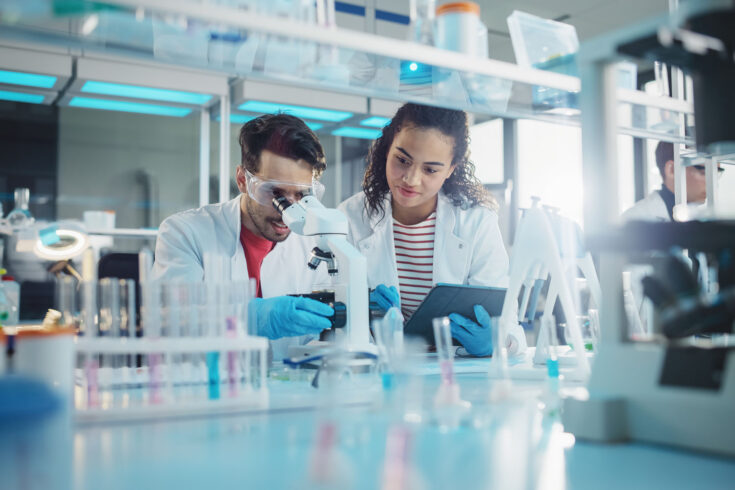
(443, 339)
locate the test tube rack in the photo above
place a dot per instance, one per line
(234, 379)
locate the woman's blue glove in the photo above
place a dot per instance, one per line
(290, 316)
(476, 339)
(386, 297)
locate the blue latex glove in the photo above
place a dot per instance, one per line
(476, 339)
(386, 297)
(290, 316)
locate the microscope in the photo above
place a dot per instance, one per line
(676, 386)
(309, 217)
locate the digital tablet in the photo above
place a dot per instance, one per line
(444, 299)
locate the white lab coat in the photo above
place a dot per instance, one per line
(468, 247)
(185, 237)
(650, 208)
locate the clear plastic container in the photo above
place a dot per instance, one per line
(538, 41)
(459, 28)
(547, 45)
(550, 45)
(9, 301)
(20, 216)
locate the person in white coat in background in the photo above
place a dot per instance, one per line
(424, 218)
(281, 156)
(659, 205)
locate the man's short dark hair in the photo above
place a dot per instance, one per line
(664, 153)
(284, 135)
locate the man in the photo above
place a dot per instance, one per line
(281, 156)
(659, 205)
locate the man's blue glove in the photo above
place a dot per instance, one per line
(386, 297)
(290, 316)
(476, 339)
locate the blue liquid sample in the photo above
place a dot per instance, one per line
(213, 369)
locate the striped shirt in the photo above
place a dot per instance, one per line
(414, 245)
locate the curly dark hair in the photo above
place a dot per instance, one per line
(462, 187)
(283, 134)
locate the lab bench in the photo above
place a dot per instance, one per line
(275, 448)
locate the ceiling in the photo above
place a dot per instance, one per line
(590, 17)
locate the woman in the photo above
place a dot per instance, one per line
(423, 218)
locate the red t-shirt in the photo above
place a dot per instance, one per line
(255, 248)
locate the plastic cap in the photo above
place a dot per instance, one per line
(458, 7)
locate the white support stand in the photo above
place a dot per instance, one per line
(204, 158)
(536, 248)
(224, 149)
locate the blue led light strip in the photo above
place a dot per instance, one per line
(21, 97)
(361, 133)
(123, 106)
(375, 122)
(28, 79)
(137, 92)
(298, 111)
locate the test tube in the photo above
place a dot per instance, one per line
(89, 325)
(443, 339)
(109, 326)
(128, 322)
(552, 401)
(394, 317)
(232, 357)
(66, 300)
(172, 329)
(152, 329)
(397, 464)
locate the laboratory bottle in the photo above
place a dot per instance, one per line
(421, 29)
(20, 216)
(9, 301)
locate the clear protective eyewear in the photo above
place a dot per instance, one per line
(263, 191)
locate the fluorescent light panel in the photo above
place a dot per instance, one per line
(294, 110)
(123, 106)
(361, 133)
(21, 97)
(28, 79)
(242, 119)
(238, 118)
(375, 122)
(138, 92)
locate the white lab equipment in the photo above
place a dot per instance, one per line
(537, 252)
(459, 28)
(309, 217)
(662, 392)
(47, 354)
(575, 259)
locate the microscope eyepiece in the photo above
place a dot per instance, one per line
(281, 203)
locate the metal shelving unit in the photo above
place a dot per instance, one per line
(236, 46)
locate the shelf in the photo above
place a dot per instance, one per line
(240, 44)
(125, 232)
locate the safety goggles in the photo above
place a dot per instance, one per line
(263, 191)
